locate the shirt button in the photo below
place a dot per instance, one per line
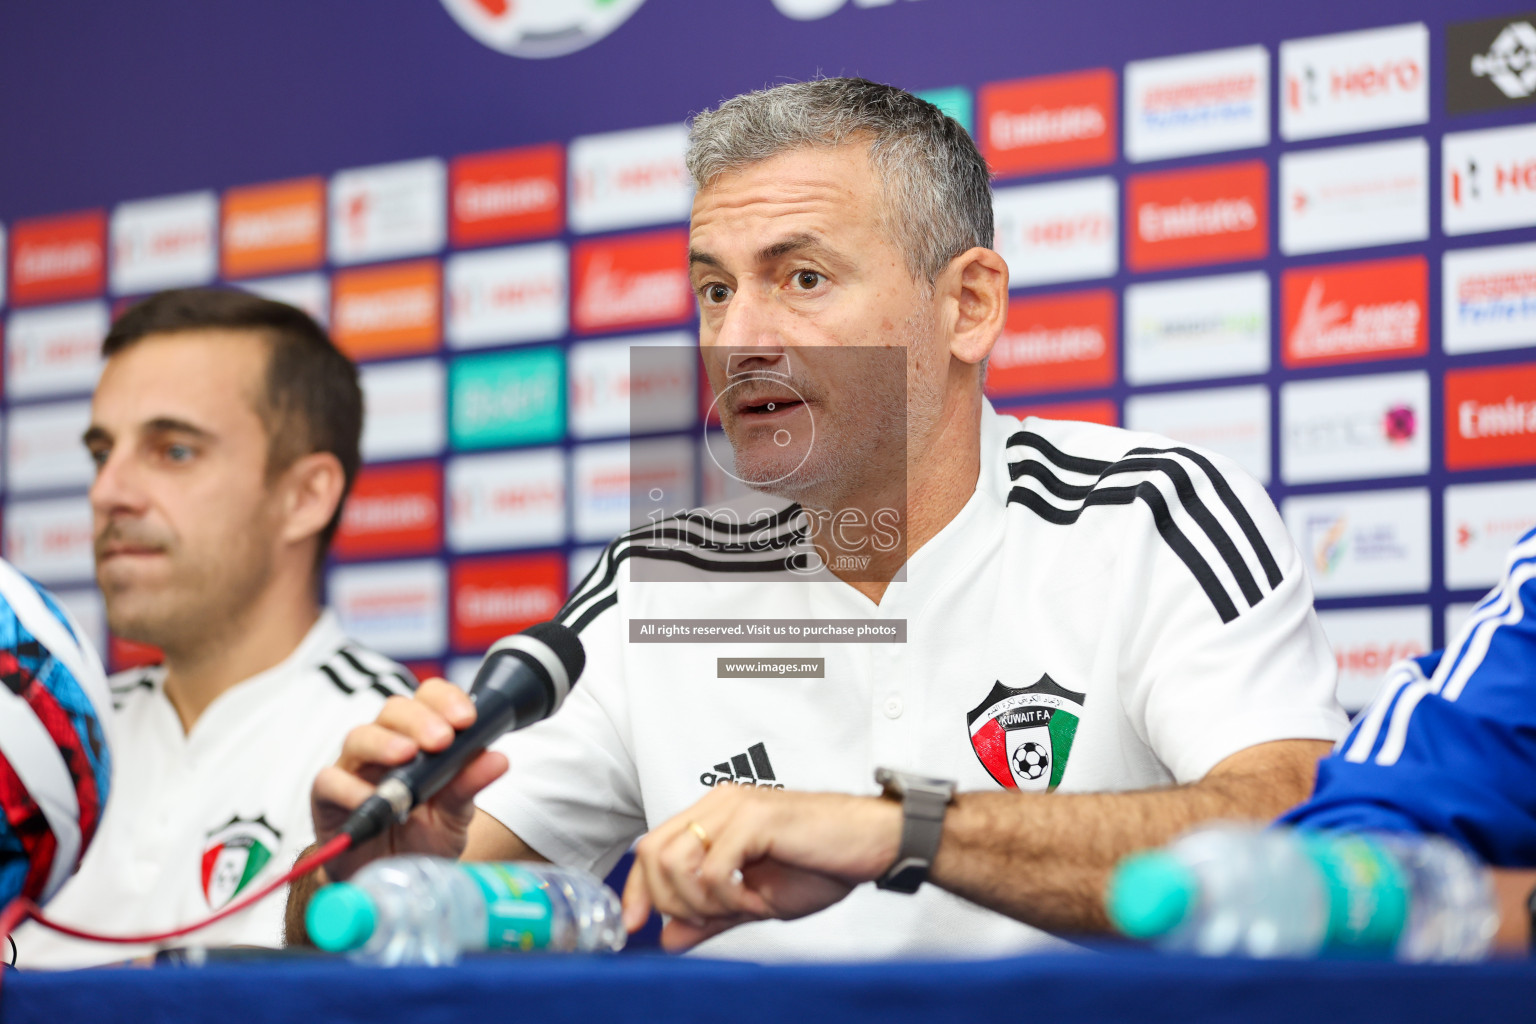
(893, 707)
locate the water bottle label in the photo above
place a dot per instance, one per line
(1367, 894)
(519, 914)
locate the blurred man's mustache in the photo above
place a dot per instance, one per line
(127, 535)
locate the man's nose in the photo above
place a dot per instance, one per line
(117, 487)
(751, 337)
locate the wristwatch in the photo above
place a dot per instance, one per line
(923, 803)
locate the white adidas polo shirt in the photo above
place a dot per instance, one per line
(1110, 611)
(198, 819)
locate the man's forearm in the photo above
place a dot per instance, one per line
(300, 891)
(1045, 859)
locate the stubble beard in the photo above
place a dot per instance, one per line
(198, 603)
(854, 454)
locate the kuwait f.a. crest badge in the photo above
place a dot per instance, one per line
(1024, 737)
(233, 855)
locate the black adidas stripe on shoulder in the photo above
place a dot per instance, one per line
(1187, 486)
(598, 590)
(351, 669)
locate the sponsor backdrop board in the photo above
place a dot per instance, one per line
(1305, 240)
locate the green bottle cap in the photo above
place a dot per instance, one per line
(340, 918)
(1149, 895)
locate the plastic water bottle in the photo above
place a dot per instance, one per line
(429, 910)
(1248, 891)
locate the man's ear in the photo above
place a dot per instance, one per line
(312, 489)
(977, 284)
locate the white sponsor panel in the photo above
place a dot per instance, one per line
(1488, 180)
(1349, 197)
(397, 608)
(403, 409)
(495, 296)
(1343, 428)
(1368, 641)
(1354, 81)
(43, 451)
(1229, 421)
(50, 540)
(54, 350)
(1482, 522)
(1455, 614)
(90, 612)
(171, 242)
(1488, 298)
(1064, 231)
(388, 211)
(1197, 328)
(509, 500)
(1197, 103)
(661, 471)
(1368, 542)
(625, 179)
(608, 399)
(309, 292)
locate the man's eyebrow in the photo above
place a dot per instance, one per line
(792, 244)
(172, 425)
(95, 434)
(788, 246)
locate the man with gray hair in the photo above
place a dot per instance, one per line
(1039, 645)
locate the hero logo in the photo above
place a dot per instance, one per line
(1510, 62)
(535, 29)
(507, 500)
(813, 10)
(625, 179)
(50, 540)
(1490, 180)
(1063, 231)
(1355, 81)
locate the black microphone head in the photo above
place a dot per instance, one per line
(566, 645)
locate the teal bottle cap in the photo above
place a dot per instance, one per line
(340, 918)
(1150, 894)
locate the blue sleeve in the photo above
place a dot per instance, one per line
(1449, 744)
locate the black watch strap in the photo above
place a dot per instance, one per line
(922, 827)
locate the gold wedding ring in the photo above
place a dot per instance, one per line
(698, 830)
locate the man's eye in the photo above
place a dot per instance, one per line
(178, 452)
(99, 456)
(808, 279)
(716, 293)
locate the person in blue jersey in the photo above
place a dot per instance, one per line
(1448, 747)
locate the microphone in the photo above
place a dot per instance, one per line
(523, 679)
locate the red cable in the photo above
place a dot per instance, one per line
(22, 908)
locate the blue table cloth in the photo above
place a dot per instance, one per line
(1049, 989)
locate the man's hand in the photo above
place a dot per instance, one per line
(426, 722)
(742, 854)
